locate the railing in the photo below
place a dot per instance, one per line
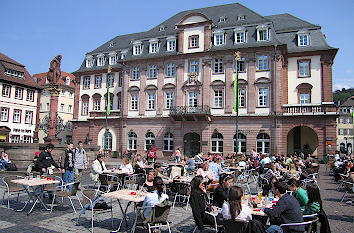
(308, 108)
(180, 110)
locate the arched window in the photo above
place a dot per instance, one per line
(132, 141)
(342, 148)
(168, 142)
(217, 143)
(241, 143)
(149, 139)
(263, 143)
(107, 141)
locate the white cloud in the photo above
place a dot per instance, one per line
(348, 71)
(340, 86)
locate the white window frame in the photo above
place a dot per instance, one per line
(263, 142)
(110, 79)
(303, 39)
(87, 82)
(242, 97)
(218, 98)
(171, 45)
(132, 141)
(240, 37)
(98, 81)
(135, 73)
(97, 104)
(85, 108)
(240, 64)
(134, 102)
(218, 66)
(47, 106)
(62, 107)
(89, 62)
(192, 99)
(168, 142)
(70, 108)
(27, 139)
(62, 93)
(112, 59)
(262, 62)
(15, 138)
(151, 101)
(30, 95)
(217, 143)
(6, 90)
(17, 116)
(169, 100)
(194, 66)
(171, 70)
(242, 143)
(263, 97)
(263, 33)
(5, 114)
(18, 93)
(154, 47)
(107, 140)
(67, 80)
(305, 98)
(304, 68)
(152, 71)
(219, 39)
(137, 49)
(100, 60)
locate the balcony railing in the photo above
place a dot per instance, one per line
(178, 110)
(186, 113)
(306, 109)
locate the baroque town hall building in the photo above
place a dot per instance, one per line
(172, 86)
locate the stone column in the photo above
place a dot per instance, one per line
(229, 95)
(53, 120)
(252, 96)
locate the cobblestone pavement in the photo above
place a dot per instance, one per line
(64, 220)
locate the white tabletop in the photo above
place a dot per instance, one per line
(126, 194)
(34, 182)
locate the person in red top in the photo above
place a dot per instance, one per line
(32, 167)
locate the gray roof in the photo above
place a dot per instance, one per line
(283, 29)
(348, 103)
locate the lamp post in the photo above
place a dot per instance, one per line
(237, 58)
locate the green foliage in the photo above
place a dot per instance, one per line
(342, 95)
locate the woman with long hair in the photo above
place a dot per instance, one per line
(154, 198)
(233, 208)
(148, 183)
(314, 204)
(200, 203)
(220, 193)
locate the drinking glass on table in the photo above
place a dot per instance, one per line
(260, 196)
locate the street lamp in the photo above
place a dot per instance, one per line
(346, 144)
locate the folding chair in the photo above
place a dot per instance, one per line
(310, 225)
(214, 226)
(232, 226)
(11, 188)
(64, 192)
(349, 187)
(159, 217)
(183, 190)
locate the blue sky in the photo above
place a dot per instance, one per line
(35, 31)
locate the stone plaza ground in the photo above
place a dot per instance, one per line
(62, 219)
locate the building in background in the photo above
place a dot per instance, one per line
(19, 102)
(345, 126)
(172, 86)
(65, 106)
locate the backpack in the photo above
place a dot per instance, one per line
(11, 167)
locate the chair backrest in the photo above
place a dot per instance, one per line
(74, 188)
(183, 188)
(11, 186)
(232, 226)
(160, 212)
(310, 223)
(88, 194)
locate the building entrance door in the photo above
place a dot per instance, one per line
(191, 144)
(302, 139)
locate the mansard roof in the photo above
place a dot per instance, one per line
(283, 30)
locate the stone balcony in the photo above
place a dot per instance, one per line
(186, 113)
(309, 109)
(103, 113)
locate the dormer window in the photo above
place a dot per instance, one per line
(137, 48)
(112, 58)
(123, 54)
(219, 38)
(303, 38)
(67, 80)
(241, 17)
(222, 20)
(89, 61)
(240, 35)
(153, 48)
(171, 43)
(161, 28)
(111, 44)
(262, 33)
(100, 60)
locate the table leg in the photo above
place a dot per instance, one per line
(124, 212)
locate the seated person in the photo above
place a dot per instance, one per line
(126, 167)
(190, 163)
(299, 193)
(287, 209)
(148, 182)
(292, 173)
(314, 204)
(138, 164)
(32, 167)
(96, 173)
(233, 208)
(206, 173)
(215, 166)
(220, 193)
(158, 168)
(154, 198)
(199, 203)
(5, 160)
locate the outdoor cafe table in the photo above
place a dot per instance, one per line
(127, 195)
(34, 196)
(184, 179)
